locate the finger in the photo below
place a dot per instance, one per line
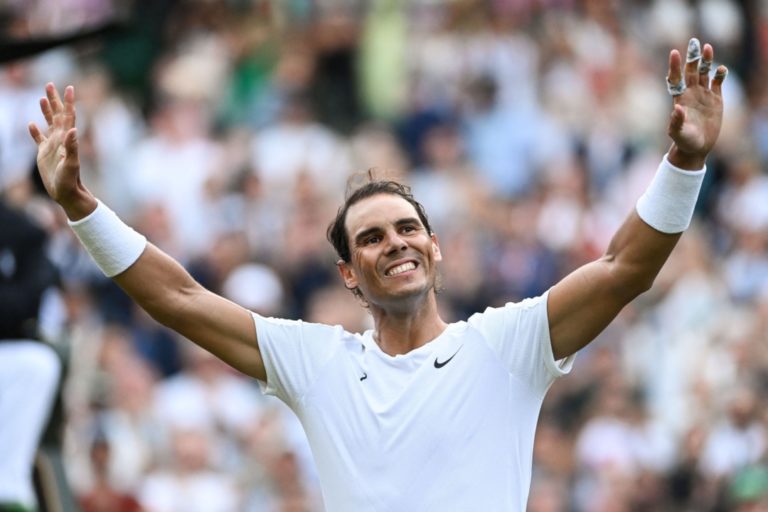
(45, 107)
(34, 131)
(705, 64)
(53, 98)
(692, 58)
(717, 82)
(69, 107)
(675, 84)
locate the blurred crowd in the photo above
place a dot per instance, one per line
(228, 131)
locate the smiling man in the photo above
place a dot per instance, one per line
(415, 414)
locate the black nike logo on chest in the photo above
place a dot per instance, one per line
(439, 364)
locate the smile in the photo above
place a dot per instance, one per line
(405, 267)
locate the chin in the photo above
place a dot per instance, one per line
(412, 290)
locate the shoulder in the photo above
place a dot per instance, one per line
(527, 306)
(301, 331)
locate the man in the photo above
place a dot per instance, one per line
(416, 414)
(25, 362)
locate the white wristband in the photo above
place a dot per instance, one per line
(112, 244)
(668, 204)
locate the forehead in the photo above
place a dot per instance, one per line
(378, 210)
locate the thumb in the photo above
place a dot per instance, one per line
(71, 157)
(676, 119)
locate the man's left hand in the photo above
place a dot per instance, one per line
(695, 122)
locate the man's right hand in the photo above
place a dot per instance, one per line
(57, 157)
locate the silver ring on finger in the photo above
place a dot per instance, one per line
(675, 89)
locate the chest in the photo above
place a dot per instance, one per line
(458, 395)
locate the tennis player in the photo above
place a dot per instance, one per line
(416, 414)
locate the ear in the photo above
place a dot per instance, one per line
(347, 274)
(436, 248)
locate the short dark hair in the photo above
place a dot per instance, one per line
(337, 231)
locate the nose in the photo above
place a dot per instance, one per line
(395, 243)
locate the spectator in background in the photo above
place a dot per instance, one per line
(189, 484)
(103, 497)
(29, 369)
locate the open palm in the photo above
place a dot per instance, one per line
(57, 157)
(698, 112)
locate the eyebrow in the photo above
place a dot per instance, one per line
(375, 229)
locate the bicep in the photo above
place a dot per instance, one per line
(583, 304)
(221, 327)
(163, 288)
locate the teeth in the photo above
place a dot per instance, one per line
(405, 267)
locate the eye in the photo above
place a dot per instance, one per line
(372, 240)
(408, 229)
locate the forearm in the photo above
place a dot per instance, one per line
(645, 240)
(150, 277)
(159, 285)
(635, 256)
(587, 300)
(165, 290)
(154, 280)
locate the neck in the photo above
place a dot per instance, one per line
(399, 332)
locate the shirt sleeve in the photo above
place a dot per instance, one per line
(519, 334)
(293, 351)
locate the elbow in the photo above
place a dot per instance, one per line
(630, 281)
(642, 285)
(634, 286)
(169, 309)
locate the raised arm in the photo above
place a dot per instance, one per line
(158, 283)
(586, 301)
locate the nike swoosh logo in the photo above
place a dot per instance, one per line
(438, 364)
(365, 376)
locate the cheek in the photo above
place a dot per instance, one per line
(363, 263)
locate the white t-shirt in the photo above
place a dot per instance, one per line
(448, 426)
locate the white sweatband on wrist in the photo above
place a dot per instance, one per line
(112, 244)
(667, 205)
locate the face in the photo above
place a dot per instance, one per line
(392, 255)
